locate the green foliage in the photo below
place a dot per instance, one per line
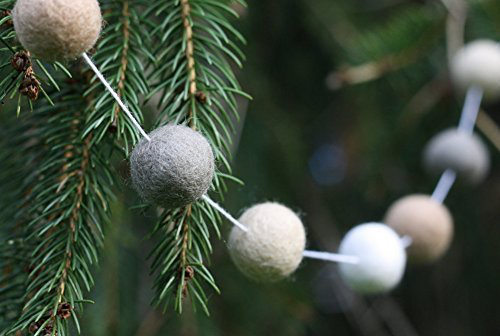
(197, 86)
(408, 31)
(57, 167)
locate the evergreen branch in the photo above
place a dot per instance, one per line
(198, 88)
(186, 12)
(68, 207)
(17, 139)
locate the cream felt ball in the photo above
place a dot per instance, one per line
(57, 30)
(272, 248)
(382, 258)
(464, 153)
(174, 169)
(427, 222)
(478, 64)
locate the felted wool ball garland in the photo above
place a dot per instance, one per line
(427, 222)
(57, 30)
(382, 258)
(272, 247)
(175, 168)
(459, 151)
(478, 64)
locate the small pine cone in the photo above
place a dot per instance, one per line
(21, 61)
(64, 311)
(30, 87)
(201, 97)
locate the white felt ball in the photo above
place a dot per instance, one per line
(478, 64)
(382, 258)
(464, 153)
(427, 222)
(57, 30)
(272, 248)
(174, 169)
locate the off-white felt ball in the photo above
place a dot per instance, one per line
(427, 222)
(478, 64)
(57, 30)
(462, 152)
(174, 169)
(272, 248)
(382, 258)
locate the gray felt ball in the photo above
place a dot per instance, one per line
(272, 248)
(174, 169)
(464, 153)
(57, 30)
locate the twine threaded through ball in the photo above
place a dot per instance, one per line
(57, 30)
(427, 222)
(272, 248)
(174, 169)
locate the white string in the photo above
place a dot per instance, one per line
(115, 95)
(444, 185)
(470, 110)
(468, 118)
(225, 213)
(334, 257)
(308, 254)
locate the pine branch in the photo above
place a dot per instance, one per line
(68, 207)
(17, 140)
(198, 87)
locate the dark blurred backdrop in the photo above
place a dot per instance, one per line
(346, 94)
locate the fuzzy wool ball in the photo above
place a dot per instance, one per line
(427, 222)
(464, 153)
(174, 169)
(272, 248)
(382, 258)
(57, 30)
(478, 64)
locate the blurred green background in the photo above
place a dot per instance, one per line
(346, 95)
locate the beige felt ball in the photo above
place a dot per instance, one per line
(478, 64)
(427, 222)
(57, 30)
(272, 248)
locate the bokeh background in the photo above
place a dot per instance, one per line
(346, 95)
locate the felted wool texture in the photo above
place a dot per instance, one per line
(174, 169)
(272, 248)
(57, 30)
(464, 153)
(478, 64)
(427, 222)
(382, 258)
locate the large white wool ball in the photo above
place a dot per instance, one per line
(478, 64)
(174, 169)
(272, 248)
(382, 258)
(464, 153)
(427, 222)
(57, 30)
